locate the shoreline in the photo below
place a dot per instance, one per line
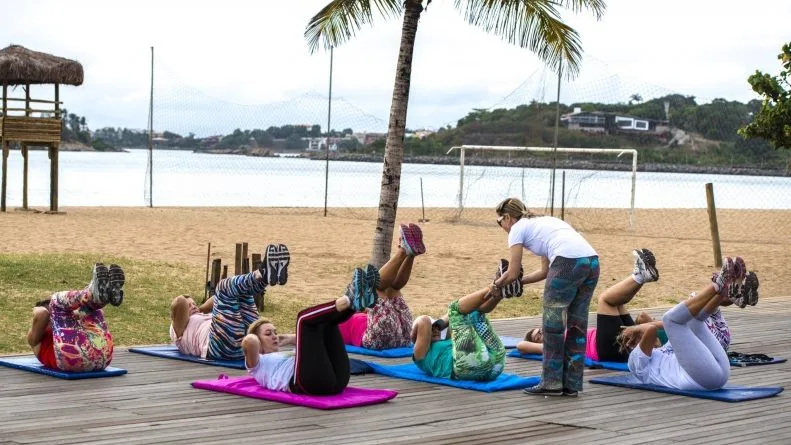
(567, 164)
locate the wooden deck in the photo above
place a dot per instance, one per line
(155, 403)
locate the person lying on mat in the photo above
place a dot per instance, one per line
(319, 365)
(697, 360)
(69, 332)
(388, 324)
(612, 316)
(215, 330)
(473, 351)
(570, 266)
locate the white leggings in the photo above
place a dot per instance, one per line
(696, 348)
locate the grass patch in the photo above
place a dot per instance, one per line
(143, 318)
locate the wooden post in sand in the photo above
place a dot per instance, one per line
(715, 231)
(237, 263)
(259, 298)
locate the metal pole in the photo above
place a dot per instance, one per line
(523, 185)
(555, 146)
(461, 181)
(563, 196)
(151, 137)
(327, 163)
(634, 184)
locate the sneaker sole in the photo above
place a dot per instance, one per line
(418, 247)
(102, 276)
(649, 260)
(545, 394)
(116, 285)
(277, 260)
(403, 228)
(372, 281)
(750, 288)
(358, 289)
(413, 238)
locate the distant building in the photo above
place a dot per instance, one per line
(320, 144)
(419, 134)
(613, 123)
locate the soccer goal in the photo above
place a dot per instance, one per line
(617, 152)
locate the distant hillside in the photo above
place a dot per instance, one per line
(696, 134)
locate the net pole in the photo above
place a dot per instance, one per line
(151, 137)
(555, 147)
(327, 148)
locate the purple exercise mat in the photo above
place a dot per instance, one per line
(247, 386)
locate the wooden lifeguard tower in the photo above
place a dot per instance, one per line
(21, 66)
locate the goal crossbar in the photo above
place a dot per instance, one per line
(619, 151)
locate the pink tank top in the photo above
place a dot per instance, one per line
(590, 345)
(353, 329)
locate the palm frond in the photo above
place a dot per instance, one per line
(597, 7)
(532, 24)
(341, 19)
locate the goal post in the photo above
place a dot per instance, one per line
(616, 151)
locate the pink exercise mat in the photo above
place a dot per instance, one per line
(247, 386)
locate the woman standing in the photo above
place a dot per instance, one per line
(571, 269)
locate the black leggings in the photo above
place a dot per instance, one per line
(322, 365)
(608, 327)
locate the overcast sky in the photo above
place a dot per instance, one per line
(214, 59)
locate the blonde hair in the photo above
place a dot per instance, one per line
(514, 208)
(257, 324)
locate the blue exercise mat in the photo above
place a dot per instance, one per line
(30, 363)
(726, 394)
(615, 366)
(409, 371)
(171, 351)
(383, 353)
(508, 342)
(359, 367)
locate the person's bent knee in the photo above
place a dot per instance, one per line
(181, 300)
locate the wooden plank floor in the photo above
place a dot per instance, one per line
(155, 403)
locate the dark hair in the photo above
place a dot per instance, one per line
(42, 303)
(531, 335)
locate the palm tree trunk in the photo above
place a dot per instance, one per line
(394, 148)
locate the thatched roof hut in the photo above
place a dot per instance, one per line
(20, 66)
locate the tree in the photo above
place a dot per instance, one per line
(533, 24)
(773, 121)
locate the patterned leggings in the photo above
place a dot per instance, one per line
(233, 312)
(389, 324)
(568, 290)
(478, 353)
(80, 337)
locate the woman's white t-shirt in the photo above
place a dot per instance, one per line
(662, 369)
(549, 237)
(274, 370)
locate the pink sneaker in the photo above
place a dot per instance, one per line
(412, 239)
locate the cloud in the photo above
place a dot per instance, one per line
(249, 52)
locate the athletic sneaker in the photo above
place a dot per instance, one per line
(276, 264)
(733, 271)
(115, 289)
(644, 266)
(539, 390)
(372, 281)
(514, 288)
(98, 286)
(412, 239)
(570, 392)
(359, 298)
(417, 232)
(742, 294)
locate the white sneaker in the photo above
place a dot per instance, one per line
(644, 266)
